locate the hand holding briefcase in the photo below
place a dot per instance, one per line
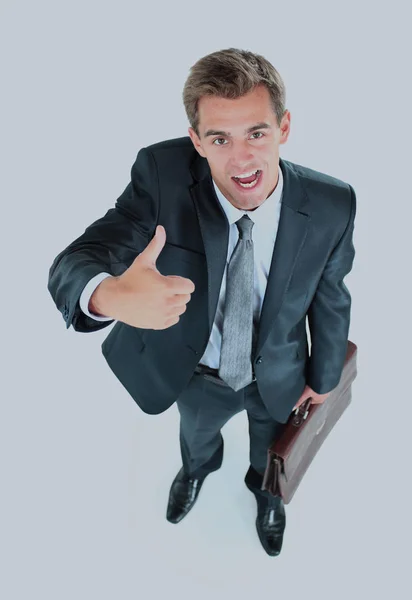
(305, 431)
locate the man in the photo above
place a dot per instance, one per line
(210, 262)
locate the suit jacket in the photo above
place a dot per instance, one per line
(171, 185)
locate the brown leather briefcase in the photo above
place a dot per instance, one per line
(305, 431)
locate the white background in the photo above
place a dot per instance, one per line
(85, 474)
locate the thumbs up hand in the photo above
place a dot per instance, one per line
(143, 297)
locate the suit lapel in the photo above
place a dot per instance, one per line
(214, 227)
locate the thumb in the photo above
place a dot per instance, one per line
(155, 246)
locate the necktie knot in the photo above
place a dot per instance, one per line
(245, 225)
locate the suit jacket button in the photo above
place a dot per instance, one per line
(259, 360)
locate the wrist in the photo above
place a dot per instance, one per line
(101, 301)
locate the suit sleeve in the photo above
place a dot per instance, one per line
(329, 314)
(110, 244)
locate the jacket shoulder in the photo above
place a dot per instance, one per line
(317, 177)
(173, 159)
(332, 201)
(172, 145)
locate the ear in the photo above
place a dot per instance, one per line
(284, 127)
(196, 141)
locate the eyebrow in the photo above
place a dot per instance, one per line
(248, 130)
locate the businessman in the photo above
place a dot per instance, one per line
(209, 263)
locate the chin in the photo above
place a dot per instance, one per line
(250, 205)
(252, 200)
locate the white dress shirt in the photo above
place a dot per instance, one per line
(264, 231)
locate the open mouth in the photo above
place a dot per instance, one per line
(248, 180)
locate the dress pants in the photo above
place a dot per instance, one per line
(205, 407)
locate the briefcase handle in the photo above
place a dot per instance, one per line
(301, 412)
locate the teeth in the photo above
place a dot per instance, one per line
(249, 185)
(246, 174)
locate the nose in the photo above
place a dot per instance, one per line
(242, 157)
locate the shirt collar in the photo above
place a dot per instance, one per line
(262, 214)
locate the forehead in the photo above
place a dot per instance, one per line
(222, 113)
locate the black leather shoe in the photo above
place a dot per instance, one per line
(270, 520)
(270, 525)
(183, 495)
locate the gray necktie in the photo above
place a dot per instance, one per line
(236, 351)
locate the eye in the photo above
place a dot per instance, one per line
(258, 133)
(215, 140)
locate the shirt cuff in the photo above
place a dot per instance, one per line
(87, 294)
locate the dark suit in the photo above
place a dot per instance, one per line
(171, 185)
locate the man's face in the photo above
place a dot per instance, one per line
(231, 150)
